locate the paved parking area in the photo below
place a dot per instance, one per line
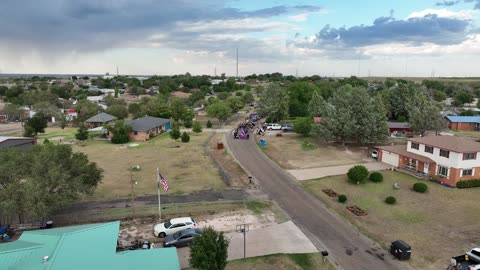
(281, 238)
(306, 174)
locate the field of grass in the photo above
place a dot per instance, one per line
(438, 224)
(294, 151)
(184, 165)
(313, 261)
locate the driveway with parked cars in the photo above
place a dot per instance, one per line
(280, 238)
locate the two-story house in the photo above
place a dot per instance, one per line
(450, 158)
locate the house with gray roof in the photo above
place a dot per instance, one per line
(147, 127)
(100, 120)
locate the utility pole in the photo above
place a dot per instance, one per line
(237, 63)
(243, 228)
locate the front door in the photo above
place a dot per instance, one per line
(425, 168)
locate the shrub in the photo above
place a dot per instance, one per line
(209, 124)
(185, 137)
(376, 177)
(391, 200)
(468, 184)
(420, 187)
(357, 174)
(197, 127)
(342, 198)
(187, 123)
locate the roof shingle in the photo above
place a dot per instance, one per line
(451, 143)
(101, 118)
(146, 123)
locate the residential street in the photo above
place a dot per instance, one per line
(348, 248)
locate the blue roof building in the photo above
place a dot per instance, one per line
(81, 247)
(471, 123)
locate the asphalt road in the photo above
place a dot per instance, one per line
(348, 249)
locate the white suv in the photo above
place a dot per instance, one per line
(274, 126)
(173, 225)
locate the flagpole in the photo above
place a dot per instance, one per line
(158, 192)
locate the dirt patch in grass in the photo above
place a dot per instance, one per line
(222, 217)
(293, 151)
(311, 261)
(184, 165)
(438, 224)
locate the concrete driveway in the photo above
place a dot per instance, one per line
(313, 173)
(281, 238)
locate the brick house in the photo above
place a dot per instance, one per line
(450, 158)
(471, 123)
(99, 120)
(143, 128)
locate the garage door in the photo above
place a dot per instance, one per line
(390, 158)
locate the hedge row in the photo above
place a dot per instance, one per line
(468, 184)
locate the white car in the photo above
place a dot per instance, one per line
(173, 225)
(274, 126)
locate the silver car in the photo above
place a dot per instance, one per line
(181, 238)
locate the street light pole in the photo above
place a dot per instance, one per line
(243, 228)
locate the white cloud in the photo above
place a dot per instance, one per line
(236, 26)
(471, 46)
(299, 17)
(444, 13)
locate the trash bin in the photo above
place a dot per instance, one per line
(49, 224)
(219, 146)
(263, 143)
(400, 250)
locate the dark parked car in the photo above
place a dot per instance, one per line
(181, 238)
(287, 127)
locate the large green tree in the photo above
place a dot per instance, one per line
(273, 103)
(119, 111)
(351, 115)
(299, 95)
(120, 132)
(424, 114)
(219, 110)
(209, 251)
(36, 183)
(36, 124)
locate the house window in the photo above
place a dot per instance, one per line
(443, 171)
(415, 146)
(468, 156)
(135, 133)
(467, 172)
(444, 153)
(429, 149)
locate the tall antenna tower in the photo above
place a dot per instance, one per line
(237, 63)
(215, 71)
(117, 71)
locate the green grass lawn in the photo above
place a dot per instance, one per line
(439, 224)
(312, 261)
(184, 165)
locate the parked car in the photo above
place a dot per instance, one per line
(287, 127)
(181, 238)
(468, 261)
(375, 154)
(273, 126)
(173, 225)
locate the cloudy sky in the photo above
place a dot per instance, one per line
(328, 38)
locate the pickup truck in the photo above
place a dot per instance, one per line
(273, 126)
(468, 261)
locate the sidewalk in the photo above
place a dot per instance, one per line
(306, 174)
(281, 238)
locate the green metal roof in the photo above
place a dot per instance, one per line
(81, 247)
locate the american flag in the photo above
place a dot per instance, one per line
(163, 182)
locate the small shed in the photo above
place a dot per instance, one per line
(400, 129)
(400, 250)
